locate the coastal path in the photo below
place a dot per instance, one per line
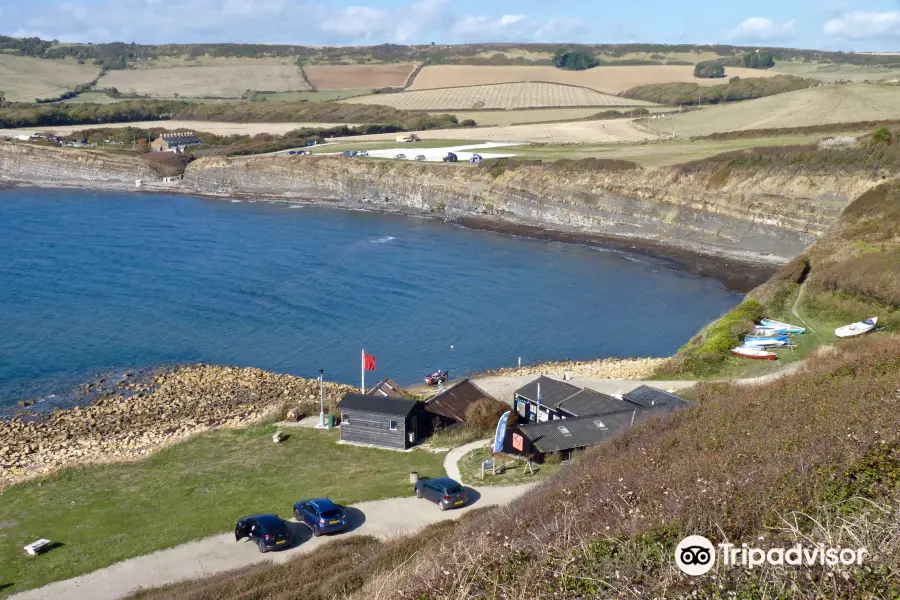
(383, 519)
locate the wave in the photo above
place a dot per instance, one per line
(383, 240)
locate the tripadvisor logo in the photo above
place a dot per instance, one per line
(695, 555)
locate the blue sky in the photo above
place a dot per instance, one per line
(825, 24)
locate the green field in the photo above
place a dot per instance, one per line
(106, 513)
(317, 96)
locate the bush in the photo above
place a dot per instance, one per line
(574, 60)
(882, 135)
(709, 70)
(484, 414)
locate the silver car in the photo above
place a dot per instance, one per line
(445, 492)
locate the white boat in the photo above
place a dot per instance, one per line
(766, 343)
(755, 353)
(790, 328)
(855, 329)
(769, 331)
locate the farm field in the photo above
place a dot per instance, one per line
(504, 95)
(341, 77)
(815, 106)
(535, 115)
(23, 78)
(216, 127)
(829, 73)
(309, 96)
(92, 98)
(578, 132)
(609, 80)
(228, 80)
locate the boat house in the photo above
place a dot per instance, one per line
(380, 421)
(387, 388)
(546, 399)
(449, 407)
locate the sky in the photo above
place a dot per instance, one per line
(850, 25)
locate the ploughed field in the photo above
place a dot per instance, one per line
(609, 80)
(507, 96)
(824, 105)
(343, 77)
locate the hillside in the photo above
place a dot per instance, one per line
(824, 105)
(23, 79)
(748, 465)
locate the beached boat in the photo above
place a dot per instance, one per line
(769, 331)
(767, 342)
(754, 353)
(856, 329)
(790, 328)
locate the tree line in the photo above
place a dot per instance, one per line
(689, 94)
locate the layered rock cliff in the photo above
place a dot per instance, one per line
(753, 215)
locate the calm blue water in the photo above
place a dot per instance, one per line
(102, 282)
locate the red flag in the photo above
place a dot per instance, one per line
(368, 362)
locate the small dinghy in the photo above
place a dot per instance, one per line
(856, 329)
(754, 353)
(767, 342)
(778, 324)
(762, 331)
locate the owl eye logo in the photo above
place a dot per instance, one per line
(695, 555)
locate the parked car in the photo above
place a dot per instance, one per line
(268, 531)
(321, 515)
(399, 156)
(476, 159)
(420, 157)
(451, 157)
(446, 492)
(304, 152)
(292, 152)
(363, 153)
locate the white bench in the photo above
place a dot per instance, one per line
(35, 548)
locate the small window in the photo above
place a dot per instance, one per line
(345, 418)
(393, 425)
(599, 424)
(564, 430)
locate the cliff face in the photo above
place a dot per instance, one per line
(769, 216)
(754, 215)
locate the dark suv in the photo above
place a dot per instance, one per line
(446, 492)
(268, 531)
(321, 515)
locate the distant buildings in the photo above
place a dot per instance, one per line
(175, 142)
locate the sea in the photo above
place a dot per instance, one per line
(96, 284)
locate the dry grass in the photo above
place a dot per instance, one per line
(609, 80)
(358, 76)
(218, 80)
(507, 96)
(23, 78)
(816, 106)
(525, 117)
(218, 128)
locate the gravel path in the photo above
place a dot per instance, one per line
(451, 461)
(381, 518)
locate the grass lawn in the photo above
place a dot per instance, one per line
(106, 513)
(470, 469)
(309, 96)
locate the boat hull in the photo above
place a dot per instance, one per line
(754, 353)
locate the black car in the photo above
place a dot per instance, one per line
(268, 531)
(451, 157)
(321, 515)
(446, 492)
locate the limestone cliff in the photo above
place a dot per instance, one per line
(753, 215)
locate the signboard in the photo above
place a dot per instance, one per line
(501, 432)
(518, 442)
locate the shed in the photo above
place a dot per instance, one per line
(387, 388)
(449, 407)
(380, 421)
(646, 396)
(561, 400)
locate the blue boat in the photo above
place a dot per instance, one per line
(790, 328)
(750, 339)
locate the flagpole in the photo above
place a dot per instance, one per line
(362, 364)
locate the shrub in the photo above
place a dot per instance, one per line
(882, 135)
(709, 70)
(484, 414)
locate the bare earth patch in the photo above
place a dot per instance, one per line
(507, 95)
(344, 77)
(609, 80)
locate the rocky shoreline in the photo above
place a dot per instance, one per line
(146, 416)
(603, 368)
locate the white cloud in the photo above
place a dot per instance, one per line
(761, 29)
(864, 26)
